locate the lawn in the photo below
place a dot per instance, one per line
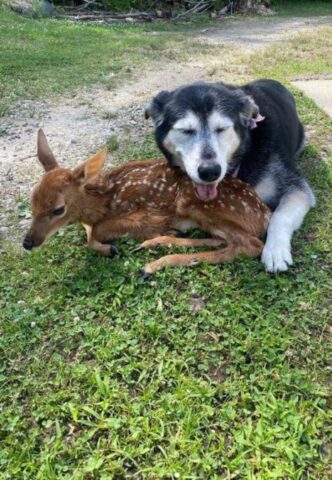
(303, 8)
(214, 372)
(40, 58)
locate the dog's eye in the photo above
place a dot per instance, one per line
(58, 211)
(220, 130)
(189, 131)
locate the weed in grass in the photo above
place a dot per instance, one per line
(112, 143)
(109, 115)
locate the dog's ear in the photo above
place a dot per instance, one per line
(155, 108)
(249, 111)
(44, 152)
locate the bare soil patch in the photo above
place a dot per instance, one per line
(257, 32)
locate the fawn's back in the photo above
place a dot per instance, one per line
(153, 186)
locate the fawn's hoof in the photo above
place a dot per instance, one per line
(144, 274)
(113, 251)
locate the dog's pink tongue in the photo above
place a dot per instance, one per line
(206, 192)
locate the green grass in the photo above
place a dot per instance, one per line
(302, 8)
(106, 376)
(304, 54)
(40, 58)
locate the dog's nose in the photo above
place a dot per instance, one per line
(27, 244)
(209, 173)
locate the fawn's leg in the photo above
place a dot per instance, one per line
(136, 224)
(169, 241)
(106, 250)
(252, 247)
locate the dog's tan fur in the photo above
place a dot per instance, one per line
(146, 200)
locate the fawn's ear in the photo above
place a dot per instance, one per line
(93, 182)
(91, 168)
(44, 153)
(96, 187)
(94, 165)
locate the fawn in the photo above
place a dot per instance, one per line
(146, 200)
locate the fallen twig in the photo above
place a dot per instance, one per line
(108, 16)
(199, 7)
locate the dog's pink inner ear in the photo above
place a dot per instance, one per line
(254, 121)
(44, 153)
(249, 114)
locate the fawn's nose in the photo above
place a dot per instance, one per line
(27, 244)
(209, 173)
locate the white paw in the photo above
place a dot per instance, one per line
(276, 258)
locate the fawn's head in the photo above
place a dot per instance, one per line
(56, 199)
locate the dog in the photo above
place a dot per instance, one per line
(253, 132)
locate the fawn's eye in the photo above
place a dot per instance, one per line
(58, 211)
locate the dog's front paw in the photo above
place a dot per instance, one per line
(276, 257)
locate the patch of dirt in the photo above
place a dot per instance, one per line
(77, 125)
(257, 32)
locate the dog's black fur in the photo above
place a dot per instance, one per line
(272, 146)
(265, 156)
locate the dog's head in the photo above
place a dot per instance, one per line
(199, 128)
